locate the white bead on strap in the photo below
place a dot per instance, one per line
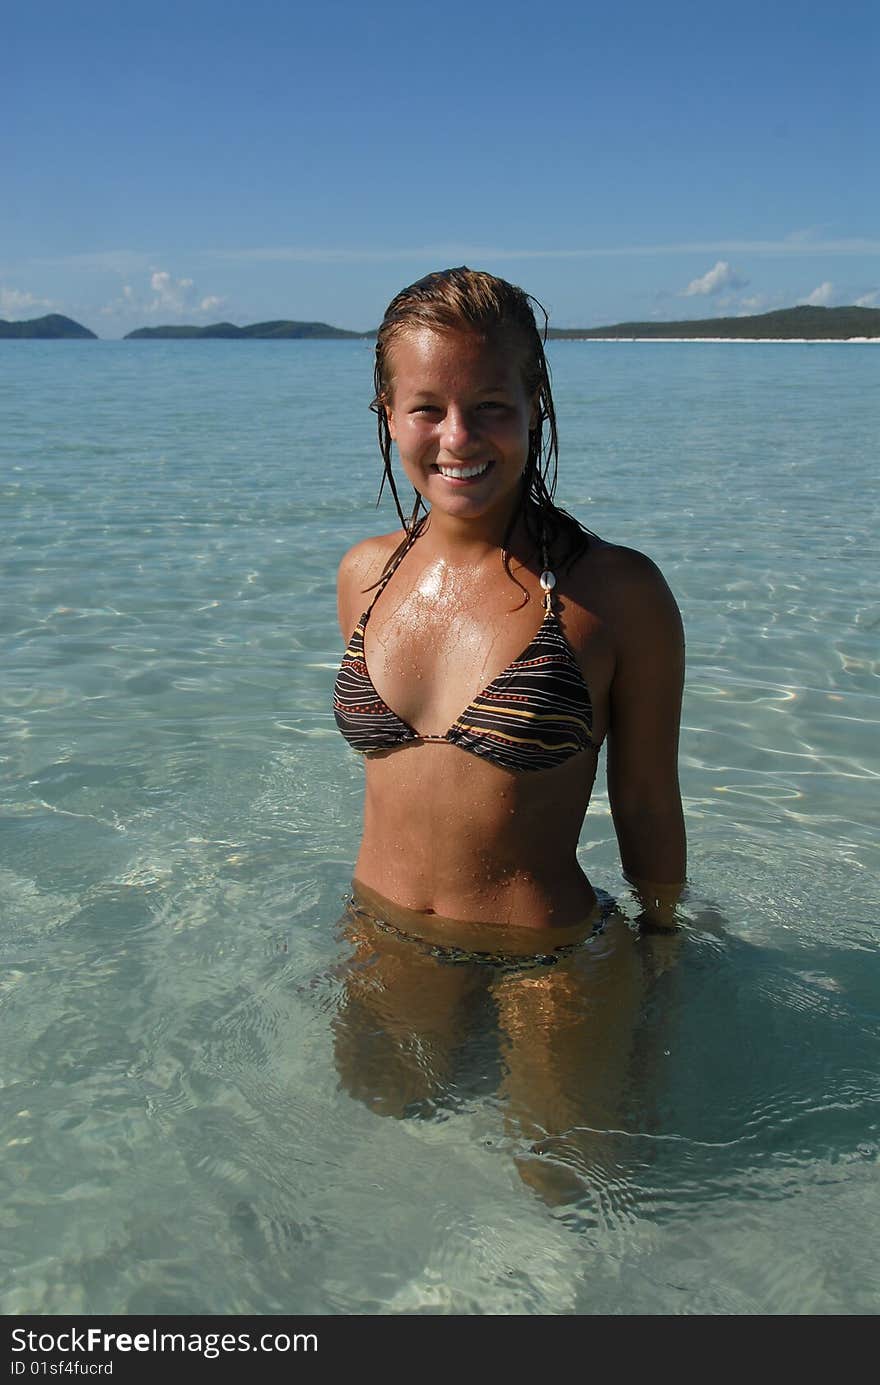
(548, 582)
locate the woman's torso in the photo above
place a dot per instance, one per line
(447, 831)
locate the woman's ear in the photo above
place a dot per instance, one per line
(392, 426)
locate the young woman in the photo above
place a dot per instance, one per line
(494, 647)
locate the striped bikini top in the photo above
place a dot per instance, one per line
(534, 715)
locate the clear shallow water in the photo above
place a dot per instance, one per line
(178, 819)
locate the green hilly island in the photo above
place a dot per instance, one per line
(282, 330)
(803, 323)
(51, 328)
(809, 323)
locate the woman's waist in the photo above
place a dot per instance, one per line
(482, 935)
(547, 891)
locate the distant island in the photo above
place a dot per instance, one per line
(792, 324)
(282, 330)
(51, 328)
(787, 324)
(805, 323)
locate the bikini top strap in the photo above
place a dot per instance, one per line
(387, 578)
(548, 577)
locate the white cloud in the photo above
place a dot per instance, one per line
(175, 295)
(719, 277)
(820, 297)
(14, 301)
(167, 297)
(752, 304)
(869, 300)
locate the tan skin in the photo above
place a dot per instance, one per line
(447, 833)
(467, 855)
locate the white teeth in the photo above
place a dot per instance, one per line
(463, 473)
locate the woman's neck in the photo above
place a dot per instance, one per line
(469, 542)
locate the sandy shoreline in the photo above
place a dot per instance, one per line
(736, 341)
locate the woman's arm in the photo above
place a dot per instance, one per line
(645, 713)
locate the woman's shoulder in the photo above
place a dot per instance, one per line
(626, 584)
(360, 569)
(365, 561)
(615, 562)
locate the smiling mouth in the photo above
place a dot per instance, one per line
(464, 473)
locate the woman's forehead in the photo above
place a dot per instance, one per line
(421, 353)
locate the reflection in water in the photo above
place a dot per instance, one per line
(559, 1038)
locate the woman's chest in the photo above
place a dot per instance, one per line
(430, 661)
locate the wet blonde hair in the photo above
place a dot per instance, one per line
(462, 299)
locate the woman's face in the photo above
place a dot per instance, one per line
(460, 415)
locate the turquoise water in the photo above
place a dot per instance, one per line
(178, 821)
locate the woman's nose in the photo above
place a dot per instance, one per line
(459, 430)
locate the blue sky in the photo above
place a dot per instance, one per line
(199, 161)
